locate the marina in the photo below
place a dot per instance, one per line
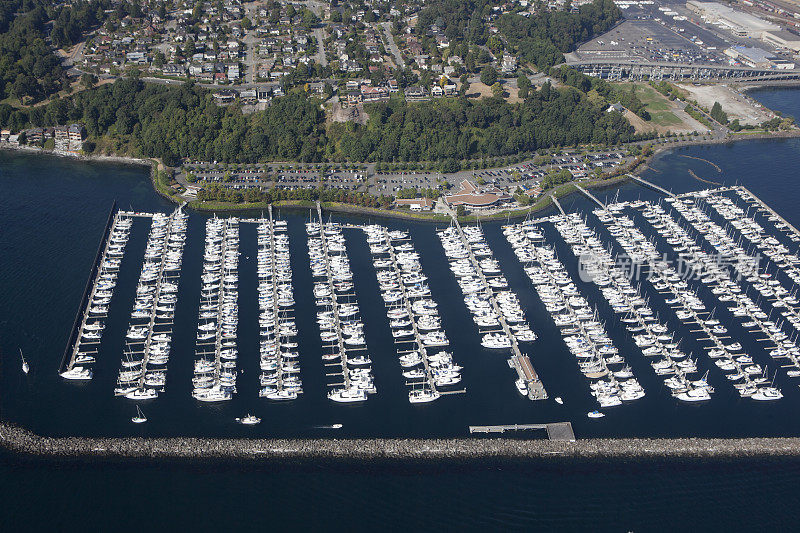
(633, 295)
(680, 264)
(682, 269)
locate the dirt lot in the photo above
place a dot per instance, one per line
(339, 113)
(732, 102)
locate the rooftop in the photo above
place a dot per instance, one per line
(469, 195)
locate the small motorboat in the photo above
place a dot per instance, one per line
(249, 420)
(558, 400)
(595, 414)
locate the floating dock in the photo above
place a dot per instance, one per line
(555, 431)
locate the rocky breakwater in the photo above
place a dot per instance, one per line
(20, 440)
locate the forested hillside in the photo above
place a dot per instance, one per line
(153, 120)
(29, 69)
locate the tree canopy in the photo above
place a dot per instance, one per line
(176, 122)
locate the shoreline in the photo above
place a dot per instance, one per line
(128, 160)
(542, 203)
(23, 442)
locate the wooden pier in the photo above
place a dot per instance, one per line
(561, 431)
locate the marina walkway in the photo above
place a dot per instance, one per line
(589, 195)
(557, 203)
(651, 185)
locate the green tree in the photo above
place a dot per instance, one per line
(718, 114)
(488, 75)
(88, 80)
(497, 90)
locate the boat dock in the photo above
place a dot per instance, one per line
(416, 341)
(589, 195)
(770, 211)
(729, 357)
(651, 185)
(164, 325)
(652, 337)
(280, 371)
(215, 379)
(687, 306)
(143, 372)
(561, 431)
(748, 275)
(399, 272)
(581, 330)
(518, 361)
(356, 382)
(77, 342)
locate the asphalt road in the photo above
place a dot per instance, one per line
(392, 45)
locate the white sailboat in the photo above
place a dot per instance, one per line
(25, 367)
(139, 418)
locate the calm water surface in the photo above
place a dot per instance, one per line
(52, 213)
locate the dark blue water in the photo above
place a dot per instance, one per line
(52, 213)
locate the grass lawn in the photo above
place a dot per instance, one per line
(658, 106)
(664, 118)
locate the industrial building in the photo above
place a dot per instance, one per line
(783, 39)
(757, 58)
(737, 22)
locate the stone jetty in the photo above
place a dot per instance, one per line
(22, 441)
